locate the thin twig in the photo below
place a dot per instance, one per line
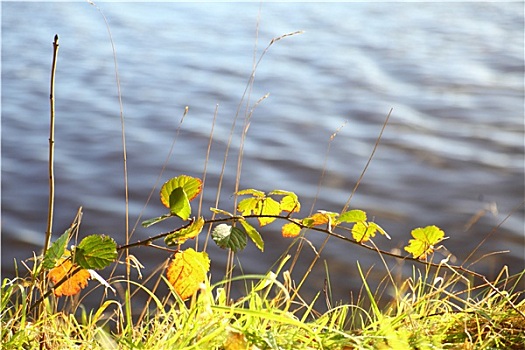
(51, 203)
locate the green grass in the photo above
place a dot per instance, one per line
(447, 313)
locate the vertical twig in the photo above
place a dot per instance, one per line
(51, 203)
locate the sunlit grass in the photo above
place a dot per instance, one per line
(429, 311)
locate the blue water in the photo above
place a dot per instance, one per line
(454, 146)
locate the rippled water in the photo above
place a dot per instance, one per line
(454, 145)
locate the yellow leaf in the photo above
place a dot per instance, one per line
(424, 241)
(290, 230)
(74, 284)
(182, 235)
(187, 271)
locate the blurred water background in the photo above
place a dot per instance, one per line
(454, 146)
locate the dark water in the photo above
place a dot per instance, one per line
(454, 146)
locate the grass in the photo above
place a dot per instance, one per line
(423, 315)
(440, 306)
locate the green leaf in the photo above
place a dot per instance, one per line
(424, 241)
(153, 221)
(192, 187)
(95, 252)
(56, 251)
(352, 216)
(228, 237)
(182, 235)
(253, 234)
(180, 204)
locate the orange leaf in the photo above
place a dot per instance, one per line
(290, 230)
(187, 271)
(74, 284)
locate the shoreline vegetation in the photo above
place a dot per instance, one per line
(440, 306)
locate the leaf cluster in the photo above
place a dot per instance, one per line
(70, 269)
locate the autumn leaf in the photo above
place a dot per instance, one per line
(182, 235)
(424, 241)
(268, 206)
(259, 204)
(192, 186)
(320, 218)
(74, 284)
(290, 201)
(290, 230)
(187, 271)
(248, 205)
(251, 191)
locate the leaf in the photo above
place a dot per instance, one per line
(290, 230)
(95, 252)
(363, 231)
(267, 206)
(259, 205)
(424, 241)
(253, 234)
(187, 271)
(247, 206)
(255, 193)
(74, 284)
(226, 236)
(182, 235)
(320, 218)
(290, 201)
(153, 221)
(220, 211)
(56, 251)
(352, 216)
(180, 204)
(192, 186)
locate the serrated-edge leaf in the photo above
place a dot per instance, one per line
(362, 231)
(248, 206)
(228, 237)
(268, 206)
(153, 221)
(290, 230)
(187, 271)
(56, 251)
(290, 203)
(424, 241)
(182, 235)
(95, 252)
(191, 185)
(253, 234)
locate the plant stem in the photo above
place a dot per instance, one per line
(51, 203)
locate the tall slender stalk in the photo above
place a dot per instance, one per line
(51, 203)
